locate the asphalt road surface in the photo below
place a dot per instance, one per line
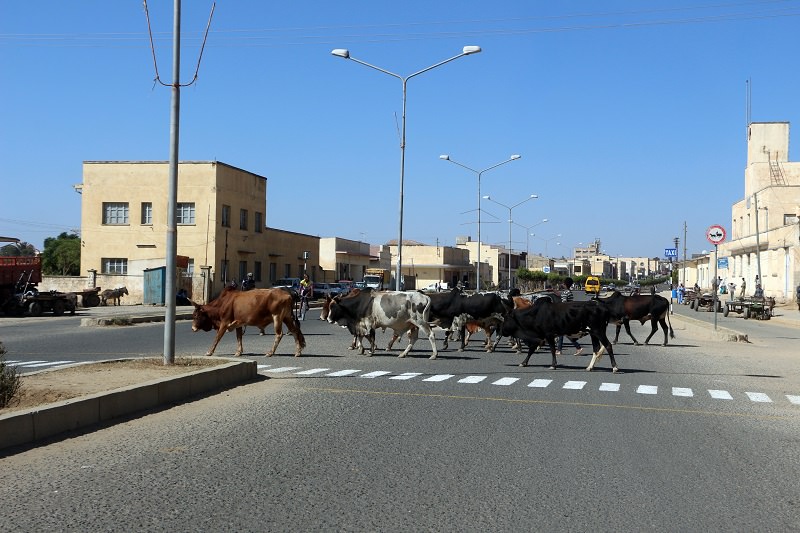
(699, 435)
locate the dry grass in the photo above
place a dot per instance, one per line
(63, 384)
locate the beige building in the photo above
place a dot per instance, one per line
(221, 227)
(763, 235)
(425, 264)
(343, 259)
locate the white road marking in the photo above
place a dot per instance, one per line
(540, 383)
(439, 377)
(284, 369)
(311, 372)
(407, 375)
(758, 397)
(340, 373)
(794, 399)
(27, 363)
(574, 385)
(680, 391)
(505, 381)
(376, 374)
(472, 379)
(48, 363)
(647, 389)
(720, 394)
(262, 367)
(610, 387)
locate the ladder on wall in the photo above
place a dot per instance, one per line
(776, 173)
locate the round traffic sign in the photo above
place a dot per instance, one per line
(715, 234)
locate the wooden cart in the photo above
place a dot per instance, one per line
(758, 308)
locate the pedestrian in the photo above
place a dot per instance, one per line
(248, 283)
(681, 293)
(797, 295)
(567, 296)
(741, 293)
(731, 290)
(306, 292)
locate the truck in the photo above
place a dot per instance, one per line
(375, 278)
(19, 277)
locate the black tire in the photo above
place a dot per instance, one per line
(726, 311)
(34, 308)
(90, 300)
(747, 312)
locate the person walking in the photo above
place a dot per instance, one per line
(567, 296)
(681, 293)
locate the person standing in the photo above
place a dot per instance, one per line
(681, 293)
(306, 292)
(731, 290)
(567, 296)
(744, 284)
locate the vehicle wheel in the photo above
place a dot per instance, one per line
(35, 308)
(695, 304)
(746, 312)
(58, 308)
(90, 300)
(726, 311)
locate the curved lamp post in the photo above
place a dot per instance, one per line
(345, 54)
(510, 221)
(479, 173)
(528, 236)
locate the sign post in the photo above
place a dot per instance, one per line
(715, 235)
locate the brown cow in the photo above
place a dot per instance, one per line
(258, 307)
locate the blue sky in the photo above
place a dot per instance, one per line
(629, 116)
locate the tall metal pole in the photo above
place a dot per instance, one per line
(172, 202)
(479, 173)
(716, 292)
(343, 53)
(758, 244)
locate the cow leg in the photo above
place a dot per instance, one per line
(220, 332)
(628, 331)
(431, 337)
(413, 334)
(653, 329)
(463, 332)
(616, 333)
(447, 334)
(597, 353)
(239, 347)
(551, 341)
(278, 325)
(294, 328)
(531, 349)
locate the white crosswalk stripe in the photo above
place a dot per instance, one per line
(36, 364)
(505, 381)
(720, 394)
(758, 397)
(538, 383)
(472, 379)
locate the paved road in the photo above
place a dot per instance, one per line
(701, 434)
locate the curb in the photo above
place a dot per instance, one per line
(130, 319)
(29, 425)
(702, 329)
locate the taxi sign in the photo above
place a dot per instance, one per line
(715, 234)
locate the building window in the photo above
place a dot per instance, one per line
(287, 270)
(114, 265)
(789, 219)
(147, 213)
(115, 212)
(257, 271)
(273, 272)
(184, 213)
(242, 270)
(226, 216)
(189, 272)
(259, 222)
(243, 219)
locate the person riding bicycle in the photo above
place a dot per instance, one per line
(248, 283)
(306, 291)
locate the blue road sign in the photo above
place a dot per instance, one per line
(670, 252)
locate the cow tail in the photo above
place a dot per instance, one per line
(298, 333)
(671, 333)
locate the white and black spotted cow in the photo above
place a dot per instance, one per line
(398, 311)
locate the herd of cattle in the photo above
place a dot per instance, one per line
(532, 322)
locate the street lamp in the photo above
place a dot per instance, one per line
(345, 54)
(479, 173)
(510, 221)
(546, 241)
(528, 235)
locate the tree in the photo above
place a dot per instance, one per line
(62, 255)
(18, 249)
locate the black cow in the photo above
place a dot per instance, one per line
(445, 307)
(623, 309)
(479, 306)
(546, 320)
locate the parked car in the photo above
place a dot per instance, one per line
(291, 283)
(321, 290)
(610, 287)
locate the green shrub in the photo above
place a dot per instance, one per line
(9, 380)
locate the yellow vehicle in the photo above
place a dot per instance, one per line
(592, 285)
